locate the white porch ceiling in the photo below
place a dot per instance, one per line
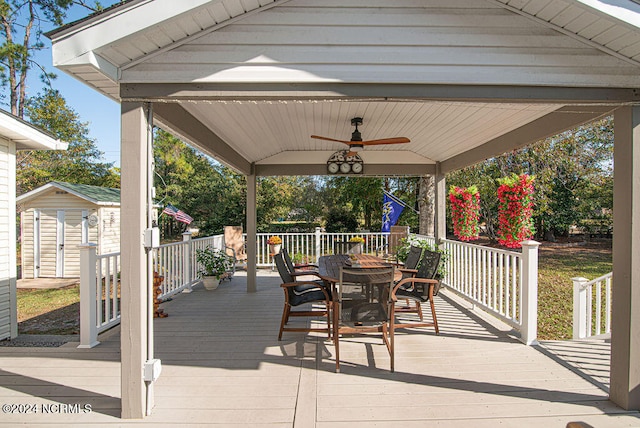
(269, 132)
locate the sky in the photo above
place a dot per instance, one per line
(101, 113)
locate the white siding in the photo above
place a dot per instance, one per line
(58, 199)
(377, 41)
(26, 243)
(8, 325)
(110, 230)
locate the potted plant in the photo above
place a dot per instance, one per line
(355, 244)
(213, 266)
(275, 244)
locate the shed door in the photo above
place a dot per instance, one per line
(50, 248)
(60, 244)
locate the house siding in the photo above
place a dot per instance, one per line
(8, 273)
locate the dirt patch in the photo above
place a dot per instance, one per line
(63, 320)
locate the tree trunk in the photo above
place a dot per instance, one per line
(426, 204)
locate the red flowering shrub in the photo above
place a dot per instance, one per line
(515, 210)
(465, 211)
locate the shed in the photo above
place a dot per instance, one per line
(57, 217)
(15, 134)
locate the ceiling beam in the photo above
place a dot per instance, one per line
(175, 119)
(336, 90)
(549, 125)
(369, 170)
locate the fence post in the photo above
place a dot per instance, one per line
(88, 296)
(318, 237)
(579, 307)
(186, 262)
(529, 292)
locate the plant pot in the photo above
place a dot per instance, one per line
(210, 282)
(355, 248)
(275, 248)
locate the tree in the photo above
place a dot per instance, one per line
(80, 163)
(574, 178)
(21, 23)
(426, 202)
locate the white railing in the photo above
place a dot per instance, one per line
(100, 281)
(590, 317)
(503, 283)
(308, 247)
(99, 293)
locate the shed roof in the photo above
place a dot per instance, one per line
(95, 194)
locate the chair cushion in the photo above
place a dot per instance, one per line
(305, 293)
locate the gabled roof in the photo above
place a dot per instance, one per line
(95, 194)
(27, 136)
(249, 81)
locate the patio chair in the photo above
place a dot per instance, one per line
(420, 288)
(234, 244)
(297, 293)
(389, 251)
(409, 269)
(363, 305)
(298, 269)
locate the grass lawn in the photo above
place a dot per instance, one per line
(56, 311)
(49, 311)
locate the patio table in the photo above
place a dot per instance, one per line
(329, 266)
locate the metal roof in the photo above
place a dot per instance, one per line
(95, 194)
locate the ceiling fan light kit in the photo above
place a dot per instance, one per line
(356, 144)
(345, 162)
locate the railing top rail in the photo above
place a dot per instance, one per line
(104, 256)
(598, 279)
(172, 244)
(484, 248)
(206, 238)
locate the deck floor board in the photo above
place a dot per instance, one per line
(222, 365)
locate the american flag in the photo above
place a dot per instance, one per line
(179, 215)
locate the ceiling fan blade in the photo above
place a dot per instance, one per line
(317, 137)
(397, 140)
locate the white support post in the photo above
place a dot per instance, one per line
(440, 223)
(579, 307)
(529, 308)
(88, 296)
(318, 247)
(186, 263)
(252, 231)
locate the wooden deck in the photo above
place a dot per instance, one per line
(223, 366)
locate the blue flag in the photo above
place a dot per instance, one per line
(391, 211)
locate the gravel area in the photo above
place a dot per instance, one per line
(39, 341)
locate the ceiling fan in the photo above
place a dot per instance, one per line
(356, 143)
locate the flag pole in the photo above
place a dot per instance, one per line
(400, 201)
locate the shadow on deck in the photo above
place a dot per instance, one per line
(223, 365)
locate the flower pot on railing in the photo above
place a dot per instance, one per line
(275, 248)
(275, 244)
